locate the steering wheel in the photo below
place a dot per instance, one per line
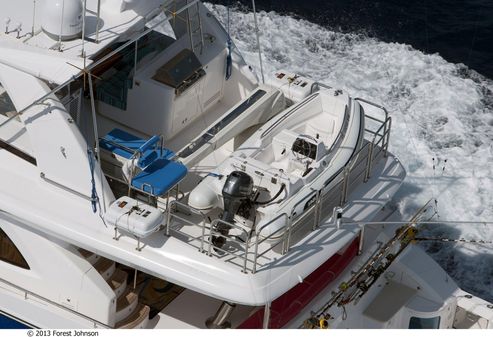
(301, 148)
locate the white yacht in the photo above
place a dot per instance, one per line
(148, 180)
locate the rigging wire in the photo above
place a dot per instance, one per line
(473, 42)
(257, 31)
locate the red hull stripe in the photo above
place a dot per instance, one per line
(287, 306)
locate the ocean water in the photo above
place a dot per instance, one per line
(433, 73)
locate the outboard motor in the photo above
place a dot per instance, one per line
(237, 190)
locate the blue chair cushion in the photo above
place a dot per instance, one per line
(130, 142)
(159, 177)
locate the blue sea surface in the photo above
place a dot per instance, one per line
(461, 31)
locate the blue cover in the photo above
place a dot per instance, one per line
(147, 160)
(162, 175)
(129, 141)
(149, 144)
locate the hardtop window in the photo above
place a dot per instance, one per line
(9, 252)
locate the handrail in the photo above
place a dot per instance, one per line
(257, 242)
(66, 188)
(28, 292)
(374, 105)
(214, 231)
(187, 207)
(315, 84)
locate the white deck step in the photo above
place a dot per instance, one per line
(105, 267)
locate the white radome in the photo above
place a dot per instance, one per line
(62, 18)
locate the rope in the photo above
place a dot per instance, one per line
(229, 59)
(94, 193)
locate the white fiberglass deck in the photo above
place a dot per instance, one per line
(174, 259)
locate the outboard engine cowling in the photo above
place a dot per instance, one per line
(237, 190)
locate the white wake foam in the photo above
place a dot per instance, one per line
(440, 110)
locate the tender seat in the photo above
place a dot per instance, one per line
(324, 131)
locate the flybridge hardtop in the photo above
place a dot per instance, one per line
(66, 38)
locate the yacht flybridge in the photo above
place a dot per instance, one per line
(148, 180)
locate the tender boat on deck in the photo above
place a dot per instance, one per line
(301, 150)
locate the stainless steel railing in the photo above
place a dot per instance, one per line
(334, 193)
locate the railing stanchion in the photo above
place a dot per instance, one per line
(245, 258)
(211, 233)
(345, 185)
(288, 238)
(203, 237)
(168, 220)
(388, 137)
(368, 163)
(255, 255)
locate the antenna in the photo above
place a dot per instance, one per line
(98, 22)
(34, 17)
(83, 54)
(61, 28)
(258, 41)
(18, 29)
(7, 23)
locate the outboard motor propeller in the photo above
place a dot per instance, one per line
(237, 189)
